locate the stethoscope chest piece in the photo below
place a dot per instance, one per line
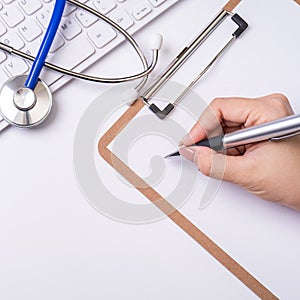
(23, 107)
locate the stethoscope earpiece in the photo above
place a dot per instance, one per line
(26, 101)
(156, 41)
(23, 107)
(130, 96)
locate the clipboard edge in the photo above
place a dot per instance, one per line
(185, 224)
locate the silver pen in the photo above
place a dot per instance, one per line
(275, 130)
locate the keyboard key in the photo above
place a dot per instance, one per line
(2, 56)
(43, 16)
(12, 39)
(3, 78)
(69, 8)
(57, 43)
(3, 123)
(69, 29)
(83, 51)
(122, 18)
(141, 10)
(104, 6)
(30, 30)
(156, 3)
(12, 16)
(31, 48)
(101, 34)
(23, 24)
(86, 19)
(30, 6)
(2, 29)
(16, 66)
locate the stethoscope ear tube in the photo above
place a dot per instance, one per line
(144, 74)
(26, 101)
(46, 44)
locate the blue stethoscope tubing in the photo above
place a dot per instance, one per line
(25, 101)
(48, 39)
(155, 44)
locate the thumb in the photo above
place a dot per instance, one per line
(217, 165)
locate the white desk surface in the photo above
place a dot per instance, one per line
(54, 245)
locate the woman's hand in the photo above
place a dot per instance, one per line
(269, 170)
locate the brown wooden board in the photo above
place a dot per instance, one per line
(170, 211)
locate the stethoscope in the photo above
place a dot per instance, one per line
(26, 101)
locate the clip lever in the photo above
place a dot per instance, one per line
(162, 113)
(241, 23)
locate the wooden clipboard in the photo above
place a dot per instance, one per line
(170, 211)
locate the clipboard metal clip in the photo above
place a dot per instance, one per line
(185, 54)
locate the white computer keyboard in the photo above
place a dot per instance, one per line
(82, 38)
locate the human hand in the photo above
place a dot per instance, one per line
(269, 170)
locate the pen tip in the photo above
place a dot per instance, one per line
(172, 155)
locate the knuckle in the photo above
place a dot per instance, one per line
(204, 167)
(282, 103)
(205, 170)
(280, 98)
(216, 101)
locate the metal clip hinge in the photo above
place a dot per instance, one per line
(187, 51)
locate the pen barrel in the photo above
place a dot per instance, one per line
(276, 129)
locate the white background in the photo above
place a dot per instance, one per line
(54, 245)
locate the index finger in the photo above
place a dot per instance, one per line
(230, 110)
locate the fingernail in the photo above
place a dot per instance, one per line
(188, 153)
(186, 140)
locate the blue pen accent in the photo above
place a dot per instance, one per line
(40, 59)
